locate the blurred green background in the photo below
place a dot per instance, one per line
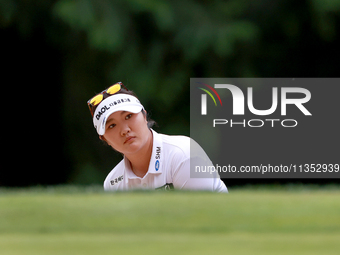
(56, 54)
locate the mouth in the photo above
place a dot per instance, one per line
(129, 138)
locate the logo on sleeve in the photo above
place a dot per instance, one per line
(158, 152)
(157, 165)
(157, 157)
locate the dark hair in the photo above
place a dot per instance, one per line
(151, 122)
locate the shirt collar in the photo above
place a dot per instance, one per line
(156, 160)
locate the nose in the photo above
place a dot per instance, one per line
(125, 130)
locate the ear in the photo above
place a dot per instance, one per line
(101, 137)
(145, 113)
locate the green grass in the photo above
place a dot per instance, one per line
(245, 221)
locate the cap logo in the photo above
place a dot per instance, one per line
(101, 111)
(105, 108)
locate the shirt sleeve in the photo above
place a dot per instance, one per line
(185, 177)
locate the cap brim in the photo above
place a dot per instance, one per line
(127, 108)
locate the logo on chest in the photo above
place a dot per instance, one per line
(116, 180)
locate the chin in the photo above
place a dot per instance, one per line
(132, 148)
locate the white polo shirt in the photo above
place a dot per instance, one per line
(169, 168)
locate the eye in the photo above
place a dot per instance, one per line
(128, 116)
(111, 126)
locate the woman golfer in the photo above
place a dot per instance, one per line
(151, 160)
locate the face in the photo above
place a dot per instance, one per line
(127, 132)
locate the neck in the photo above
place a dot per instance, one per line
(141, 160)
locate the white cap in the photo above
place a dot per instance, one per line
(115, 103)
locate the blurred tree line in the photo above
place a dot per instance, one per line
(59, 53)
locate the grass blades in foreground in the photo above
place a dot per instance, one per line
(245, 221)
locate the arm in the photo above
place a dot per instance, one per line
(183, 180)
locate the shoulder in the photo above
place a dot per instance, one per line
(179, 151)
(176, 142)
(114, 177)
(183, 145)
